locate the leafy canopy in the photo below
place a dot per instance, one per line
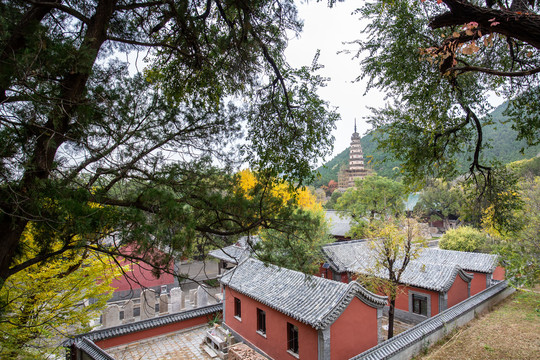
(296, 244)
(520, 248)
(440, 200)
(42, 304)
(157, 146)
(464, 238)
(437, 61)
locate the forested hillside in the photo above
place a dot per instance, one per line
(500, 136)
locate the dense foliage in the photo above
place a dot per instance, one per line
(464, 238)
(437, 61)
(372, 198)
(296, 244)
(440, 200)
(520, 249)
(157, 144)
(42, 304)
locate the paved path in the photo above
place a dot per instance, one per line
(181, 345)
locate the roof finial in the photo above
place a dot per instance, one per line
(354, 124)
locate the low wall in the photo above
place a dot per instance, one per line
(411, 342)
(123, 334)
(405, 316)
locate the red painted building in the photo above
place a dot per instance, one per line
(430, 289)
(483, 266)
(141, 275)
(286, 314)
(435, 281)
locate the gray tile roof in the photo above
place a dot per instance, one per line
(435, 277)
(338, 226)
(236, 252)
(232, 254)
(94, 351)
(434, 269)
(346, 257)
(312, 300)
(468, 261)
(393, 346)
(145, 324)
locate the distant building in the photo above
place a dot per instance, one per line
(141, 275)
(231, 255)
(339, 224)
(356, 169)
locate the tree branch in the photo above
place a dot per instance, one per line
(61, 7)
(463, 69)
(136, 5)
(274, 66)
(37, 259)
(518, 25)
(146, 44)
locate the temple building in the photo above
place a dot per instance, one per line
(285, 314)
(356, 169)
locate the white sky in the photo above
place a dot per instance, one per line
(327, 29)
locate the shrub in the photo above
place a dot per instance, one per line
(464, 238)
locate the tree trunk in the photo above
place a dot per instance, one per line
(391, 318)
(446, 224)
(11, 229)
(53, 134)
(517, 24)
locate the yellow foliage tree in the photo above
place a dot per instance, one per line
(303, 229)
(44, 303)
(247, 182)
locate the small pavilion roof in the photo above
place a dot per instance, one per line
(236, 252)
(315, 301)
(339, 226)
(231, 254)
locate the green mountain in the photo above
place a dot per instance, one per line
(330, 170)
(500, 136)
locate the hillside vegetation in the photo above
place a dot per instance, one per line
(500, 137)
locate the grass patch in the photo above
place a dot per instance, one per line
(510, 331)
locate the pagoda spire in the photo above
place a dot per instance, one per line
(354, 124)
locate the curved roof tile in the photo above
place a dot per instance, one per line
(315, 301)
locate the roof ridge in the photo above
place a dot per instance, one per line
(347, 242)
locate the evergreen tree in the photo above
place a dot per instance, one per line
(155, 147)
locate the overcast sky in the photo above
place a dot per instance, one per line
(327, 29)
